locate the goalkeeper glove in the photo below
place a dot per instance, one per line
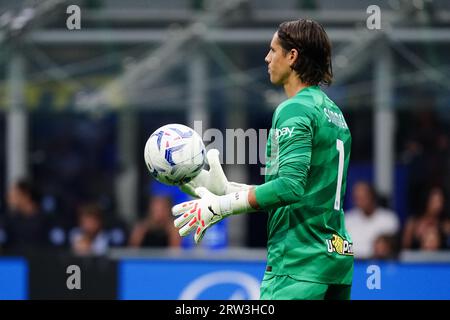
(214, 180)
(208, 210)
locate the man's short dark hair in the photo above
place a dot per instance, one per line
(309, 38)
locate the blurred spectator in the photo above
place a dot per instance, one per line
(89, 237)
(431, 239)
(426, 151)
(446, 233)
(385, 247)
(426, 230)
(157, 229)
(25, 224)
(367, 221)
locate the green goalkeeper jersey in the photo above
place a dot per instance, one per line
(308, 153)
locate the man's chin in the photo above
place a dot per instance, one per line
(275, 83)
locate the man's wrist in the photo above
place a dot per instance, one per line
(235, 203)
(232, 187)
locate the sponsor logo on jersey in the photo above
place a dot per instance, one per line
(286, 131)
(340, 246)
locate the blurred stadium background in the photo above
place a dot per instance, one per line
(76, 107)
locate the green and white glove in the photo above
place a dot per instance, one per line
(214, 179)
(202, 213)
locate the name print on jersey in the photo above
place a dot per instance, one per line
(336, 118)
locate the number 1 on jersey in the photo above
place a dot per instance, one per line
(340, 149)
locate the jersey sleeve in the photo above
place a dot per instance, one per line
(293, 134)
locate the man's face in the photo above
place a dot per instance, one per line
(436, 202)
(90, 224)
(279, 62)
(15, 199)
(362, 197)
(159, 209)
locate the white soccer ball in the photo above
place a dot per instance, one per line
(174, 154)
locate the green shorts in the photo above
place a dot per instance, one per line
(275, 287)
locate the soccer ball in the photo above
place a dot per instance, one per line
(174, 154)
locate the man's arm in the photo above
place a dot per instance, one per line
(294, 160)
(287, 188)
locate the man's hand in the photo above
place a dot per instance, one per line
(199, 214)
(214, 179)
(209, 209)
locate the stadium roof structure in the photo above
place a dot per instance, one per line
(173, 29)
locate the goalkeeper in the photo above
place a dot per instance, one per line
(310, 253)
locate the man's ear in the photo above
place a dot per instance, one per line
(293, 56)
